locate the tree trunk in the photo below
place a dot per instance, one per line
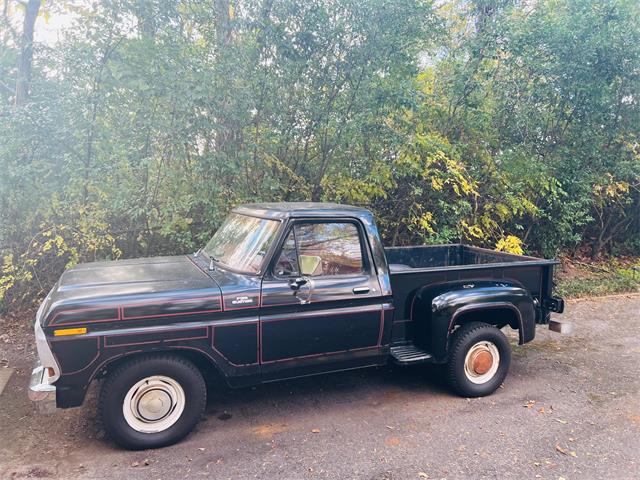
(223, 21)
(26, 51)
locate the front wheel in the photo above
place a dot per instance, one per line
(479, 358)
(152, 401)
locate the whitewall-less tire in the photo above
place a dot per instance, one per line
(479, 358)
(152, 401)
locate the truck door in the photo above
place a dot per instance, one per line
(321, 304)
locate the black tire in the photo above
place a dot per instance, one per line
(123, 378)
(464, 338)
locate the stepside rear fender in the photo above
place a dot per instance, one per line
(438, 310)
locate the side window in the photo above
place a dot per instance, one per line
(288, 261)
(329, 249)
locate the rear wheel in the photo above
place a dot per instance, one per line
(479, 358)
(152, 401)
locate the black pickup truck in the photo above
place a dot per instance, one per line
(281, 290)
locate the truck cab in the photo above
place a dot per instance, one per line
(281, 290)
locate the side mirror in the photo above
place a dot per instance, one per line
(296, 283)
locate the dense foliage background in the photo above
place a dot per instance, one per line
(508, 124)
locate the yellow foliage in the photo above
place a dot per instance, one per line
(426, 81)
(358, 191)
(503, 211)
(275, 163)
(425, 222)
(7, 279)
(510, 244)
(56, 246)
(473, 231)
(611, 188)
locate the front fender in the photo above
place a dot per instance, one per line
(438, 309)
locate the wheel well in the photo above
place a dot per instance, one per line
(205, 364)
(496, 316)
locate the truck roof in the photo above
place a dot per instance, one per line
(282, 210)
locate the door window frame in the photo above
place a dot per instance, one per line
(367, 261)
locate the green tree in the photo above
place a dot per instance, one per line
(512, 125)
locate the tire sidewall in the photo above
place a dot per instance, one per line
(464, 341)
(117, 387)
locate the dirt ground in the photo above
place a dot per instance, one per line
(570, 408)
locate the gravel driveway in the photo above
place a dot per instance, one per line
(570, 408)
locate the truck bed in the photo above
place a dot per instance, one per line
(413, 267)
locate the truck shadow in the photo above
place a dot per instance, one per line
(365, 386)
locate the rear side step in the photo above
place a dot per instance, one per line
(409, 355)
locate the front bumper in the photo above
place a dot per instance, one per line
(41, 388)
(41, 391)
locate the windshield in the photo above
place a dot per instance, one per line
(241, 243)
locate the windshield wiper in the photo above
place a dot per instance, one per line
(212, 261)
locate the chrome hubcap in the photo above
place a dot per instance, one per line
(481, 362)
(153, 404)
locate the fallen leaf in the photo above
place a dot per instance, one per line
(315, 430)
(529, 404)
(269, 429)
(541, 410)
(561, 450)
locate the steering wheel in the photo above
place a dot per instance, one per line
(286, 267)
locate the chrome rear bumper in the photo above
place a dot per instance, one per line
(41, 391)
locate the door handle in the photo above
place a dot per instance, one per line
(361, 290)
(296, 283)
